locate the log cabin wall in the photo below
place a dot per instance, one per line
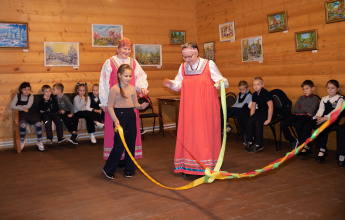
(144, 22)
(282, 66)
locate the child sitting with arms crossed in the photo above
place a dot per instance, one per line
(303, 111)
(121, 101)
(327, 105)
(92, 105)
(81, 111)
(49, 108)
(240, 106)
(66, 112)
(261, 112)
(23, 102)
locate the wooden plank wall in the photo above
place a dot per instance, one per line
(282, 67)
(144, 22)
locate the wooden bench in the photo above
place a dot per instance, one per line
(30, 129)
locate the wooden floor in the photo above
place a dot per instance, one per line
(66, 182)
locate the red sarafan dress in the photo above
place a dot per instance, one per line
(199, 122)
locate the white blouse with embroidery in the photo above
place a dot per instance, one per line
(139, 74)
(215, 74)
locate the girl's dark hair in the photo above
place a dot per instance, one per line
(24, 85)
(78, 85)
(120, 71)
(190, 45)
(333, 82)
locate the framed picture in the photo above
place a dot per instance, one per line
(277, 22)
(106, 35)
(306, 40)
(251, 49)
(14, 35)
(148, 54)
(209, 50)
(61, 54)
(227, 31)
(335, 11)
(177, 37)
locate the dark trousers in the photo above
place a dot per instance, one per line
(341, 140)
(90, 125)
(321, 141)
(303, 126)
(127, 121)
(71, 123)
(256, 121)
(242, 121)
(47, 119)
(97, 117)
(231, 111)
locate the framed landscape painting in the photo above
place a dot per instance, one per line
(277, 22)
(61, 54)
(148, 54)
(335, 11)
(209, 50)
(106, 35)
(13, 35)
(177, 37)
(252, 49)
(227, 32)
(306, 40)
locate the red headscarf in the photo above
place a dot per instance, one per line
(124, 42)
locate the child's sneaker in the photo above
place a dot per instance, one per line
(228, 128)
(93, 138)
(294, 145)
(99, 125)
(256, 148)
(49, 142)
(22, 143)
(40, 146)
(73, 139)
(128, 175)
(61, 140)
(109, 176)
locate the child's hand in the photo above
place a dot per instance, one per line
(41, 111)
(267, 122)
(25, 110)
(62, 112)
(144, 105)
(104, 108)
(46, 98)
(117, 123)
(98, 111)
(82, 97)
(69, 115)
(321, 120)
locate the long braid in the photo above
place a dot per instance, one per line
(121, 70)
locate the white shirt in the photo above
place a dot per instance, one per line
(215, 75)
(139, 74)
(331, 100)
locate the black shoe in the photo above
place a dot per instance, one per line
(121, 164)
(256, 148)
(305, 152)
(109, 176)
(128, 175)
(185, 175)
(248, 146)
(73, 140)
(322, 158)
(341, 163)
(61, 140)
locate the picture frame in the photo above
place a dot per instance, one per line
(251, 49)
(148, 54)
(277, 22)
(209, 50)
(177, 37)
(106, 35)
(227, 31)
(14, 35)
(61, 54)
(306, 40)
(335, 11)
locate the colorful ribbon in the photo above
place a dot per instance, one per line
(211, 175)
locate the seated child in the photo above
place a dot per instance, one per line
(81, 111)
(327, 105)
(66, 112)
(92, 105)
(23, 102)
(241, 104)
(303, 111)
(49, 108)
(341, 145)
(261, 112)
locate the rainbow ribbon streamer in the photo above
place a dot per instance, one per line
(211, 175)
